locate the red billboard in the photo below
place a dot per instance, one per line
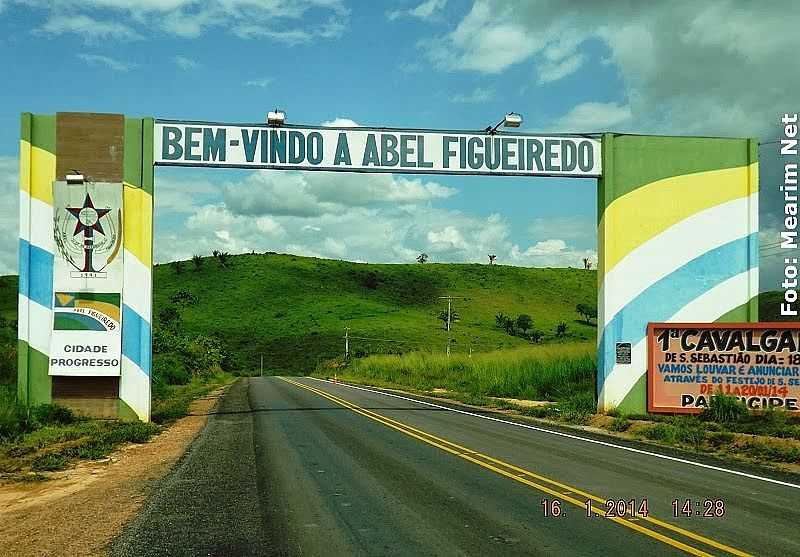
(759, 363)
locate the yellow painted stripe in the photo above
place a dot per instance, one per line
(558, 489)
(25, 166)
(137, 223)
(42, 174)
(665, 203)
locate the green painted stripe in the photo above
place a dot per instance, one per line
(125, 412)
(148, 129)
(43, 132)
(36, 387)
(22, 371)
(26, 119)
(646, 159)
(132, 165)
(635, 402)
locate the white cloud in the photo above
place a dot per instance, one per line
(285, 21)
(262, 82)
(307, 194)
(477, 95)
(340, 123)
(90, 29)
(9, 215)
(714, 68)
(185, 63)
(425, 10)
(553, 71)
(358, 217)
(594, 117)
(110, 63)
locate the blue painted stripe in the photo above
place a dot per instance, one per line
(664, 298)
(24, 266)
(136, 339)
(36, 274)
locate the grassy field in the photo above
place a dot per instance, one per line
(545, 372)
(294, 310)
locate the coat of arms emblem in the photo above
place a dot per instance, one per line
(88, 237)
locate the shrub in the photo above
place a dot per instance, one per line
(170, 369)
(183, 298)
(52, 414)
(620, 423)
(660, 432)
(725, 409)
(720, 438)
(169, 317)
(561, 329)
(52, 461)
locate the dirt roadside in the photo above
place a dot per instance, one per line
(77, 512)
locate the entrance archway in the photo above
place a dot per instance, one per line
(677, 231)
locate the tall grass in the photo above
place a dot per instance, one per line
(546, 372)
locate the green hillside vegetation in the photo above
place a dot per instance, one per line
(294, 310)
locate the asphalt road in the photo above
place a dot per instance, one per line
(305, 467)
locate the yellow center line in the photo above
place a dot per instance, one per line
(559, 490)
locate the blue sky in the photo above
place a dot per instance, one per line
(566, 66)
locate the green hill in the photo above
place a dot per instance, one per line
(769, 307)
(294, 310)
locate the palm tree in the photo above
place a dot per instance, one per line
(492, 257)
(422, 257)
(198, 262)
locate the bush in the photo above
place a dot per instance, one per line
(47, 462)
(725, 409)
(169, 369)
(720, 438)
(620, 423)
(52, 414)
(660, 432)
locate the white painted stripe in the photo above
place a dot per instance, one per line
(134, 389)
(24, 215)
(22, 317)
(41, 233)
(40, 326)
(672, 249)
(710, 306)
(137, 286)
(572, 436)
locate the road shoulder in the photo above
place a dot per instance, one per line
(50, 517)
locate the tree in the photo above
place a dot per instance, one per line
(587, 311)
(500, 319)
(587, 263)
(536, 336)
(222, 257)
(561, 329)
(198, 262)
(422, 258)
(178, 267)
(453, 317)
(509, 326)
(492, 257)
(524, 322)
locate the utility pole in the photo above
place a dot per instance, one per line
(347, 342)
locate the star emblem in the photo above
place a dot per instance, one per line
(88, 218)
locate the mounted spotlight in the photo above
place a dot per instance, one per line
(510, 120)
(276, 118)
(75, 178)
